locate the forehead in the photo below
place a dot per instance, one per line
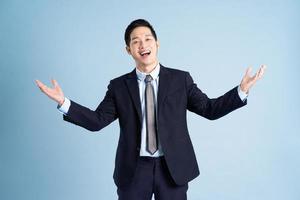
(140, 32)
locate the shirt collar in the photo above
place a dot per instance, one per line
(154, 74)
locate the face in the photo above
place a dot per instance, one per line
(143, 48)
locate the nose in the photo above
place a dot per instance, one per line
(142, 45)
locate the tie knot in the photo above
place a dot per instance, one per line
(148, 79)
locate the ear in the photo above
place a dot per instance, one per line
(128, 50)
(157, 44)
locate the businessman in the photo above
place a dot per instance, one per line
(155, 153)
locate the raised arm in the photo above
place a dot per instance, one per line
(215, 108)
(80, 115)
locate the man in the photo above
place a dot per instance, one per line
(154, 154)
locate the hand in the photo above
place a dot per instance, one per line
(54, 93)
(248, 81)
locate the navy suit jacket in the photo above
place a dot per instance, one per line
(177, 93)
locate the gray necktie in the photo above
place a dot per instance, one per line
(151, 142)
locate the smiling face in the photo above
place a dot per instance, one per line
(143, 48)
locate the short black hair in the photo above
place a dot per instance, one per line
(137, 23)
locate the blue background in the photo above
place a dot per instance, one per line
(253, 153)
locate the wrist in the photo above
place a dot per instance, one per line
(244, 89)
(61, 102)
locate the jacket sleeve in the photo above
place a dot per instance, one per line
(214, 108)
(105, 113)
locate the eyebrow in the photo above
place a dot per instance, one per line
(147, 35)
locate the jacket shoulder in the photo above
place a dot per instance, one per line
(176, 74)
(175, 71)
(120, 80)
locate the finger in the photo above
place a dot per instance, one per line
(256, 75)
(264, 66)
(259, 74)
(261, 71)
(40, 84)
(248, 71)
(42, 87)
(54, 82)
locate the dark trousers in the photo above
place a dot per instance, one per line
(152, 177)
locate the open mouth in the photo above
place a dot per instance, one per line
(145, 53)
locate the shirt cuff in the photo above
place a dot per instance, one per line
(64, 108)
(243, 95)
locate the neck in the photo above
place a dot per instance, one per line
(147, 68)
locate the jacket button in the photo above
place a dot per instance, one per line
(138, 148)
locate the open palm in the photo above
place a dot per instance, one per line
(54, 93)
(248, 81)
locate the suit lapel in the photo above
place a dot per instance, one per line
(163, 86)
(133, 88)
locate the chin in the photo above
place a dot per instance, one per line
(147, 64)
